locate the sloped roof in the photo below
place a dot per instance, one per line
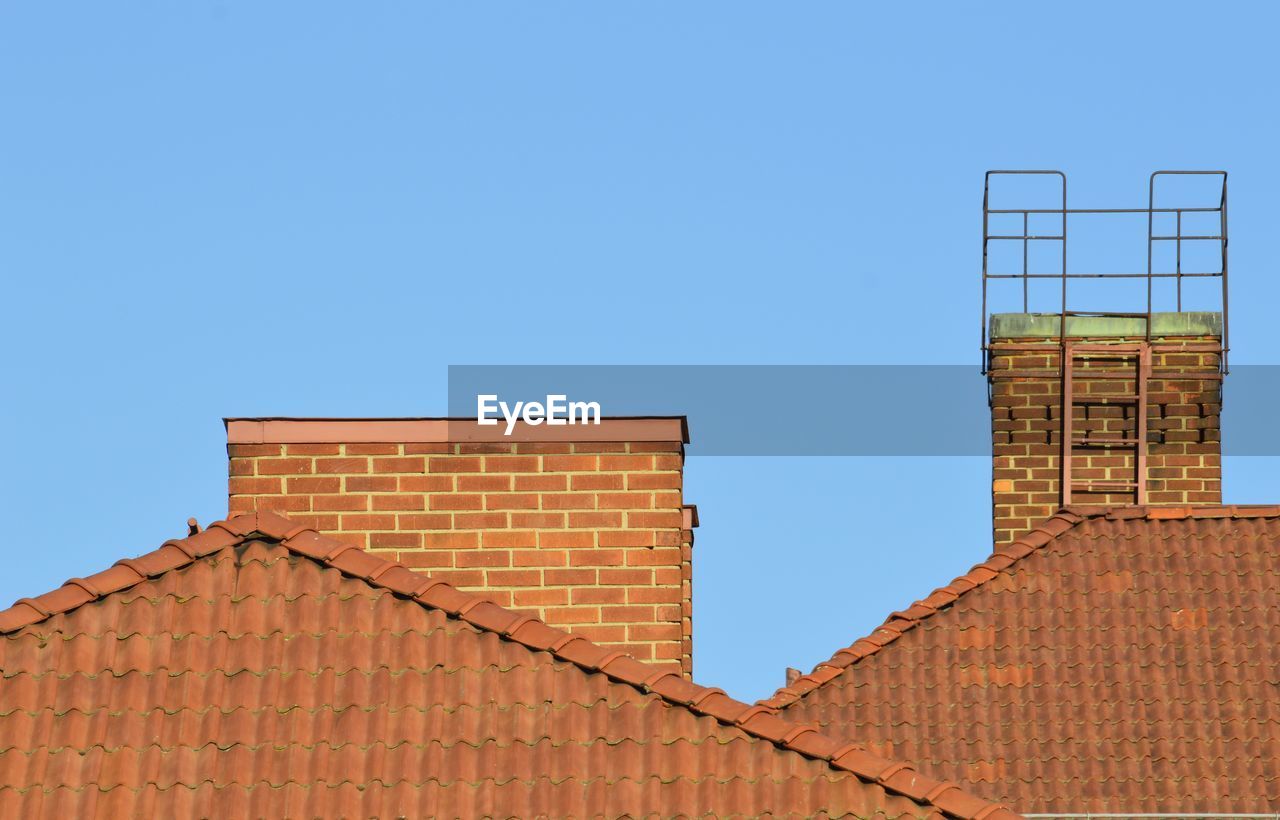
(1123, 660)
(261, 669)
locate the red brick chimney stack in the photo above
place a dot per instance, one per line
(585, 526)
(1181, 444)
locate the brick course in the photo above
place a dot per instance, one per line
(591, 537)
(1184, 447)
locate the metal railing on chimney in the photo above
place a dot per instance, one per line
(1066, 274)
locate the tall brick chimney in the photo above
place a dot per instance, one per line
(1101, 407)
(584, 525)
(1119, 455)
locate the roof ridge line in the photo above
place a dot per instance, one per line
(902, 621)
(758, 720)
(1001, 558)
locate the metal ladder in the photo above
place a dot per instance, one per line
(1140, 355)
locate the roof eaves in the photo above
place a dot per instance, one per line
(1000, 561)
(759, 720)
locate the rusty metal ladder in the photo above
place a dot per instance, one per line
(1140, 354)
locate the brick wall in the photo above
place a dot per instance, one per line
(1184, 460)
(592, 536)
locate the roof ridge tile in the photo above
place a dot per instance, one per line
(275, 525)
(183, 546)
(626, 668)
(84, 584)
(31, 603)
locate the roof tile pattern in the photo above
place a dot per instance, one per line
(1109, 661)
(258, 669)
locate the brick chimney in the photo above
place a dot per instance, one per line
(1118, 454)
(584, 526)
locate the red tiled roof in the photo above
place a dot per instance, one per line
(262, 669)
(1123, 660)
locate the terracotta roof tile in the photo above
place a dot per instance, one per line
(1111, 660)
(258, 668)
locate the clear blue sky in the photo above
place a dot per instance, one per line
(230, 208)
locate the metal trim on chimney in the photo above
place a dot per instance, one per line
(286, 430)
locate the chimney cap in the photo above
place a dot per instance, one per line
(300, 430)
(1048, 325)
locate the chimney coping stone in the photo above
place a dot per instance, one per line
(289, 430)
(1035, 325)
